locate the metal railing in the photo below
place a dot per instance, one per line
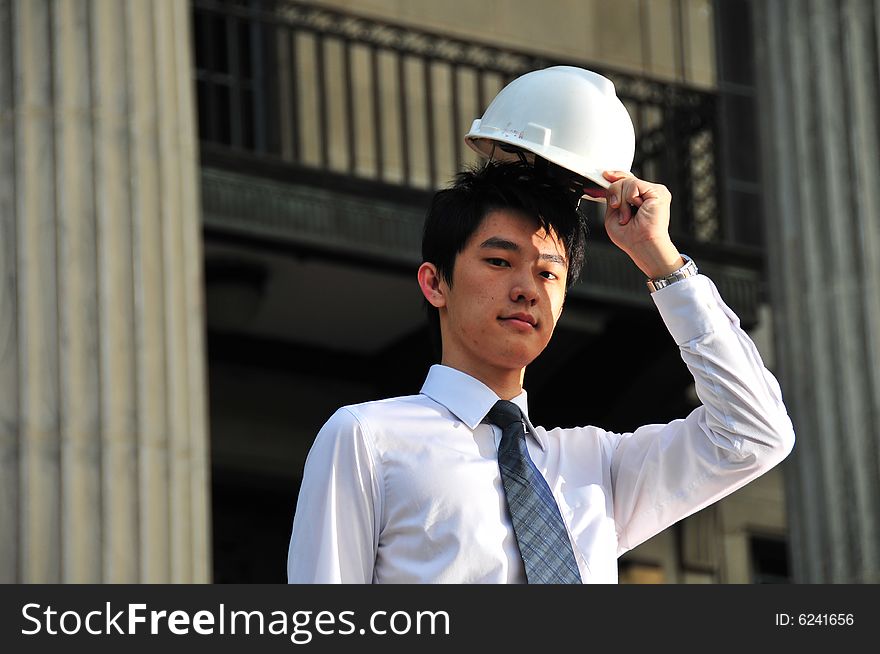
(312, 89)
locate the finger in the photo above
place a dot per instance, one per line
(628, 200)
(632, 193)
(625, 212)
(612, 204)
(614, 175)
(614, 194)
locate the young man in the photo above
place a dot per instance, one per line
(432, 487)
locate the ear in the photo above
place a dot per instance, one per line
(429, 282)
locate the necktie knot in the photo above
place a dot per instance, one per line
(504, 414)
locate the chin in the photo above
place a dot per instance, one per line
(519, 357)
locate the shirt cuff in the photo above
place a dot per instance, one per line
(692, 308)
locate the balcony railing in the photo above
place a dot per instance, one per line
(314, 91)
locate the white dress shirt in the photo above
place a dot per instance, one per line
(407, 489)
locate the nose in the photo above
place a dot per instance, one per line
(525, 289)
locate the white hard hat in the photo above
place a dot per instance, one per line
(566, 115)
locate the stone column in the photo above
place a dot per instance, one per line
(103, 437)
(819, 98)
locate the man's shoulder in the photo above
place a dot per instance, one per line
(381, 411)
(384, 424)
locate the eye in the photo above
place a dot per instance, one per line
(495, 261)
(549, 275)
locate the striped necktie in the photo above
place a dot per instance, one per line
(540, 532)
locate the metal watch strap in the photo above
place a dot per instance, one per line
(689, 269)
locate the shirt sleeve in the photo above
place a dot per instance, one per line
(335, 534)
(663, 473)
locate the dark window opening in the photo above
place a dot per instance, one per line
(769, 561)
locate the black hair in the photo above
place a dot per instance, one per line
(456, 212)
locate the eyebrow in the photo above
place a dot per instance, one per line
(497, 243)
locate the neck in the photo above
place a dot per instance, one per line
(506, 383)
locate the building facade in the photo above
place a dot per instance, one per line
(211, 219)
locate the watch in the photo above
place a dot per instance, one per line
(689, 269)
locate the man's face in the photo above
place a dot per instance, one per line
(507, 294)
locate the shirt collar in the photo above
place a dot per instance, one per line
(468, 398)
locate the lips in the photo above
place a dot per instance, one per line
(522, 319)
